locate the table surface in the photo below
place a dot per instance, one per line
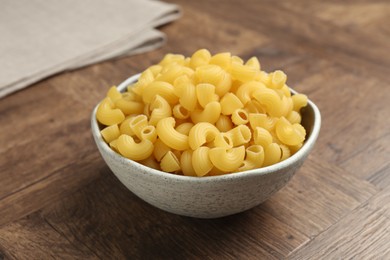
(58, 199)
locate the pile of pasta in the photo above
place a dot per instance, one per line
(204, 115)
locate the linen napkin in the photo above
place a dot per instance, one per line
(39, 38)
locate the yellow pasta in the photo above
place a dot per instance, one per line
(209, 114)
(186, 163)
(204, 115)
(246, 90)
(133, 150)
(254, 63)
(160, 149)
(164, 89)
(110, 133)
(272, 154)
(287, 133)
(262, 136)
(185, 128)
(205, 93)
(202, 133)
(278, 79)
(223, 60)
(216, 76)
(107, 114)
(168, 134)
(240, 135)
(230, 103)
(201, 161)
(299, 101)
(160, 109)
(255, 155)
(224, 123)
(227, 160)
(199, 58)
(240, 117)
(170, 163)
(114, 94)
(185, 90)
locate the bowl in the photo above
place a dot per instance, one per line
(207, 197)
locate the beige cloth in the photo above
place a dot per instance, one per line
(39, 38)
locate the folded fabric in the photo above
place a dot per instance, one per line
(41, 38)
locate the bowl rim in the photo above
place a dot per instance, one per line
(304, 150)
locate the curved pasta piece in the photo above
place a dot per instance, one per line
(285, 152)
(201, 161)
(227, 160)
(278, 79)
(246, 90)
(144, 80)
(186, 91)
(271, 100)
(160, 149)
(223, 140)
(114, 94)
(202, 133)
(240, 117)
(230, 103)
(294, 117)
(246, 166)
(262, 120)
(170, 163)
(255, 155)
(240, 135)
(164, 89)
(299, 101)
(151, 163)
(287, 106)
(160, 109)
(209, 114)
(262, 136)
(223, 60)
(180, 112)
(205, 94)
(129, 107)
(254, 63)
(168, 134)
(199, 58)
(224, 123)
(137, 123)
(106, 114)
(110, 133)
(242, 72)
(289, 134)
(272, 154)
(132, 150)
(148, 132)
(185, 128)
(172, 58)
(186, 163)
(216, 76)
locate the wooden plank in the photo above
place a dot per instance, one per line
(362, 234)
(48, 190)
(34, 238)
(112, 220)
(318, 196)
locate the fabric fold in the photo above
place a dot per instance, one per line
(42, 38)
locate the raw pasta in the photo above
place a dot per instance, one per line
(204, 115)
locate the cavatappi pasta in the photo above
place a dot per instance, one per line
(204, 115)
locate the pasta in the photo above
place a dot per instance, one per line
(204, 115)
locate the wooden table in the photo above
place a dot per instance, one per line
(59, 200)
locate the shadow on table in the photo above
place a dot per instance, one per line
(111, 221)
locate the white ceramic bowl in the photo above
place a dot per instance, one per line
(207, 197)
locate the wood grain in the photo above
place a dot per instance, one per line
(59, 200)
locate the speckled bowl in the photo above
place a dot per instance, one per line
(207, 197)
